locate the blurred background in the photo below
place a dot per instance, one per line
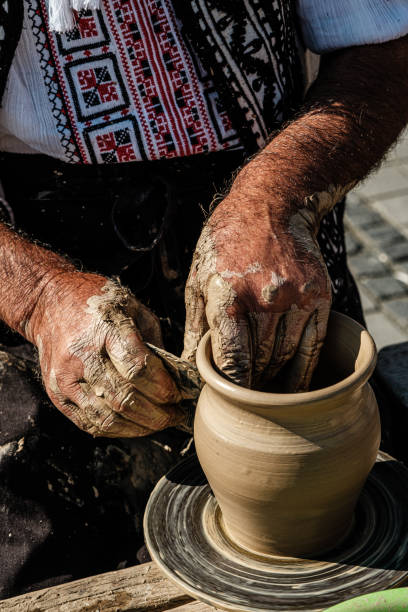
(377, 245)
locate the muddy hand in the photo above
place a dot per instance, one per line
(258, 281)
(91, 333)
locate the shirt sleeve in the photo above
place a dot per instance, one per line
(327, 25)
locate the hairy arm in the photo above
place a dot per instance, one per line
(257, 278)
(90, 333)
(352, 115)
(26, 272)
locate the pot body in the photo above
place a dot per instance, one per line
(287, 473)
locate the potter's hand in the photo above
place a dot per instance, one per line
(96, 368)
(258, 279)
(259, 283)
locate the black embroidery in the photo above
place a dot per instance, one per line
(250, 50)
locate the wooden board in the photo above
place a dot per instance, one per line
(140, 588)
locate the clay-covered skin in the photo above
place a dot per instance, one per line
(94, 361)
(91, 336)
(264, 292)
(257, 279)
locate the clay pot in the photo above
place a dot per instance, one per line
(287, 469)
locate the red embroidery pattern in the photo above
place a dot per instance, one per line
(116, 146)
(130, 86)
(87, 27)
(97, 86)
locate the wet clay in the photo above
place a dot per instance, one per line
(287, 469)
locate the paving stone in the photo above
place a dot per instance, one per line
(398, 252)
(403, 266)
(377, 209)
(352, 244)
(385, 287)
(388, 180)
(353, 200)
(399, 151)
(384, 235)
(395, 208)
(398, 310)
(376, 220)
(401, 274)
(365, 264)
(383, 330)
(367, 303)
(363, 216)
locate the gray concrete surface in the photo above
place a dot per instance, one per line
(377, 244)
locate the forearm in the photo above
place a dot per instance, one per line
(26, 271)
(351, 116)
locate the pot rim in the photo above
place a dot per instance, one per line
(367, 355)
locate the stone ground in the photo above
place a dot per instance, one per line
(377, 245)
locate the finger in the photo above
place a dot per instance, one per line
(136, 364)
(288, 334)
(263, 328)
(196, 322)
(123, 397)
(88, 413)
(230, 333)
(73, 413)
(60, 401)
(146, 321)
(149, 326)
(306, 358)
(104, 420)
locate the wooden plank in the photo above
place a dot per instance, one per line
(140, 588)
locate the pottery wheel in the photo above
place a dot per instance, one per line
(185, 538)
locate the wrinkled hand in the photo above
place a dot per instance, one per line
(258, 281)
(90, 335)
